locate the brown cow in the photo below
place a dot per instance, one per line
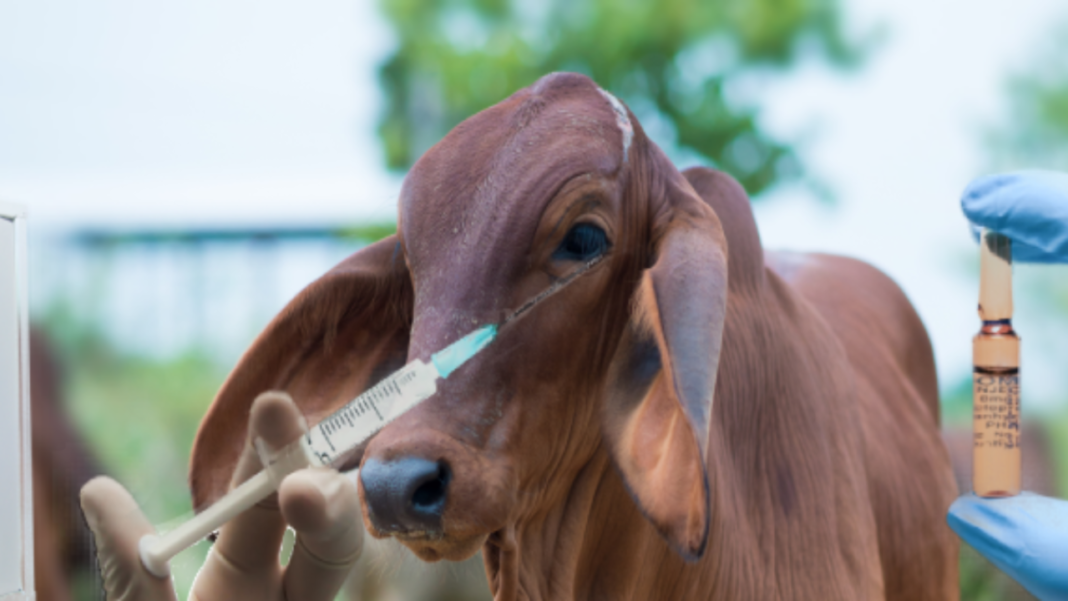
(678, 423)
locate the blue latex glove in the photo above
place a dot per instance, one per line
(1030, 207)
(1026, 536)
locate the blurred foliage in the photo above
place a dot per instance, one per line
(139, 416)
(686, 68)
(369, 232)
(1034, 133)
(981, 581)
(957, 402)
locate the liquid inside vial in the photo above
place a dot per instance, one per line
(996, 411)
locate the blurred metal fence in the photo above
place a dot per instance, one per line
(164, 292)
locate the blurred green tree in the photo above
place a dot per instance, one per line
(685, 68)
(1034, 132)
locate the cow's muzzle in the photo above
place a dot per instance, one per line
(406, 495)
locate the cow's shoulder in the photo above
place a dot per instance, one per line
(868, 312)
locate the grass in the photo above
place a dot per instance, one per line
(140, 417)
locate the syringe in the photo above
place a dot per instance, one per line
(340, 432)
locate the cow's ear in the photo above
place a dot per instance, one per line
(662, 378)
(336, 338)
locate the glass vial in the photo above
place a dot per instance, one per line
(996, 376)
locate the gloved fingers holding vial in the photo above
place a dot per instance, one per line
(319, 503)
(1029, 207)
(1025, 535)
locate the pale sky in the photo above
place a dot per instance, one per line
(126, 113)
(206, 111)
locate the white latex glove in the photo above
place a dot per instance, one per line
(319, 503)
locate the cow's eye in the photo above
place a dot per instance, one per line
(583, 242)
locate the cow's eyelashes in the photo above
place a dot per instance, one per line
(584, 241)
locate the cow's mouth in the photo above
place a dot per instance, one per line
(416, 537)
(436, 545)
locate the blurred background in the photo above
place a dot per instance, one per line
(189, 167)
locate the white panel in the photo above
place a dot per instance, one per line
(16, 561)
(10, 451)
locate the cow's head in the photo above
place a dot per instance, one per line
(622, 360)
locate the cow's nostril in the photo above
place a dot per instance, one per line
(406, 494)
(430, 496)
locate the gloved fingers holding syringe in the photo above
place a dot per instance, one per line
(243, 564)
(320, 504)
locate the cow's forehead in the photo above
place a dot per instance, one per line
(483, 188)
(471, 206)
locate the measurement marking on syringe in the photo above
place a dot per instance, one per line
(375, 407)
(351, 415)
(326, 436)
(351, 426)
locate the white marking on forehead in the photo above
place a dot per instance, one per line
(622, 120)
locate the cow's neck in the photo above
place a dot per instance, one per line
(596, 544)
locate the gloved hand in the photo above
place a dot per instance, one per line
(1030, 207)
(1025, 536)
(319, 503)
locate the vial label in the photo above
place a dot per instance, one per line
(996, 409)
